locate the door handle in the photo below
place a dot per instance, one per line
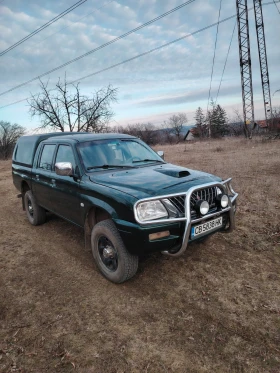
(53, 182)
(37, 177)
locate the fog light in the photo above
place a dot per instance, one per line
(156, 236)
(222, 200)
(202, 207)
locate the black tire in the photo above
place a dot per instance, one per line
(35, 213)
(120, 265)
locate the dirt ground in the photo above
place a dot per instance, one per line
(216, 309)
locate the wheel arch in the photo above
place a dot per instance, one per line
(24, 188)
(94, 216)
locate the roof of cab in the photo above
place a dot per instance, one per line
(26, 146)
(86, 136)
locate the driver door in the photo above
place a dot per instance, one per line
(66, 189)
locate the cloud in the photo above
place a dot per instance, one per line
(163, 81)
(192, 95)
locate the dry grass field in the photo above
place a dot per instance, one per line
(216, 309)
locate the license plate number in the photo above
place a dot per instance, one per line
(206, 227)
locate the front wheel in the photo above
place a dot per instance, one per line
(35, 213)
(111, 257)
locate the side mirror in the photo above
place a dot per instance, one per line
(64, 168)
(161, 153)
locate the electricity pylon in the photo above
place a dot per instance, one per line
(263, 60)
(245, 66)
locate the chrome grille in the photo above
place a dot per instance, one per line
(207, 194)
(179, 203)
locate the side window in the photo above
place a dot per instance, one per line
(65, 154)
(47, 157)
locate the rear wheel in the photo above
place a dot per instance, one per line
(111, 257)
(35, 213)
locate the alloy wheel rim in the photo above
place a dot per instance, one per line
(107, 253)
(30, 208)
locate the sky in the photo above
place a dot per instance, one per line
(173, 79)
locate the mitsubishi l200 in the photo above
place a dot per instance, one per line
(125, 196)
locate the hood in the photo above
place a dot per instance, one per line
(143, 182)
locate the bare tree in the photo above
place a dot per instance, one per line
(145, 131)
(275, 119)
(66, 109)
(9, 134)
(176, 123)
(167, 134)
(236, 124)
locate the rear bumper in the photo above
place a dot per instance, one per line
(136, 235)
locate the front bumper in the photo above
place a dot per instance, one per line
(180, 228)
(136, 237)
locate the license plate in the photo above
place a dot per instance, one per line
(206, 227)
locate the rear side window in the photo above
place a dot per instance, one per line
(65, 154)
(47, 157)
(24, 151)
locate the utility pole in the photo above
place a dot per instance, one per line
(245, 66)
(263, 60)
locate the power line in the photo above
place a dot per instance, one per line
(15, 102)
(213, 61)
(58, 31)
(276, 6)
(63, 28)
(80, 2)
(143, 54)
(137, 56)
(225, 62)
(98, 48)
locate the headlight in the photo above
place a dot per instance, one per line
(202, 207)
(151, 210)
(222, 200)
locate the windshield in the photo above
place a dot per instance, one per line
(116, 153)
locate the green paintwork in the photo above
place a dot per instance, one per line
(112, 190)
(152, 180)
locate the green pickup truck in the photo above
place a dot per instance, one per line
(128, 200)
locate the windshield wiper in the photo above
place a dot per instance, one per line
(148, 160)
(105, 166)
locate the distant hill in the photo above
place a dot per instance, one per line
(185, 128)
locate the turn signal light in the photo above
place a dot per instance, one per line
(156, 236)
